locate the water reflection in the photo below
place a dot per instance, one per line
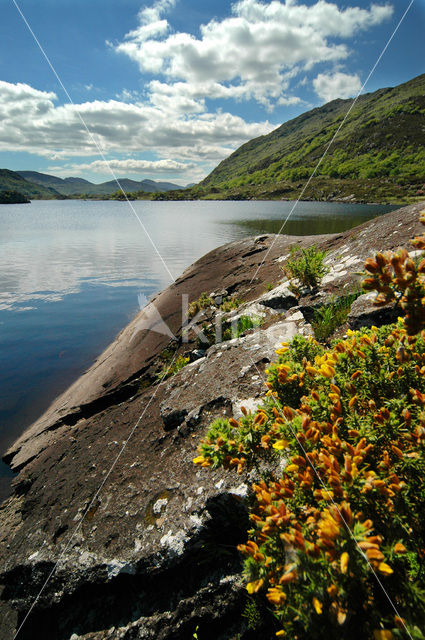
(315, 225)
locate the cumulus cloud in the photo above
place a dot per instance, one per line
(249, 55)
(336, 85)
(124, 167)
(30, 121)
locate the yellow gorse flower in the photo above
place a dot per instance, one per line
(318, 607)
(253, 587)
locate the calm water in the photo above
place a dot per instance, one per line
(71, 273)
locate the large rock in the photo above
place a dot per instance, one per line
(364, 313)
(144, 540)
(281, 298)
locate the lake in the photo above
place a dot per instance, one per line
(71, 273)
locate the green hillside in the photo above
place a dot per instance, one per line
(79, 186)
(13, 181)
(379, 154)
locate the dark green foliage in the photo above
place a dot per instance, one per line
(307, 266)
(332, 315)
(12, 197)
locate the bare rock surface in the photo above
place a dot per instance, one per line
(142, 543)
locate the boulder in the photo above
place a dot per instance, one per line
(364, 313)
(280, 298)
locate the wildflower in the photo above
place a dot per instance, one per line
(276, 595)
(318, 607)
(327, 371)
(279, 445)
(253, 587)
(385, 569)
(343, 562)
(328, 528)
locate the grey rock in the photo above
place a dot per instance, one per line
(280, 298)
(364, 313)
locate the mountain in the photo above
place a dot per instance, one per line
(378, 155)
(13, 181)
(76, 186)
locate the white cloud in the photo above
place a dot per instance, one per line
(124, 167)
(249, 55)
(336, 85)
(30, 121)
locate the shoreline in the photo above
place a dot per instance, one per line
(400, 203)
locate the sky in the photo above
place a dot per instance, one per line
(167, 89)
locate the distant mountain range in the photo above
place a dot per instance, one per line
(37, 185)
(76, 186)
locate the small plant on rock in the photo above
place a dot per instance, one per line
(332, 315)
(307, 266)
(169, 370)
(203, 302)
(244, 323)
(229, 304)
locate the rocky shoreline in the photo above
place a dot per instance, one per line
(147, 549)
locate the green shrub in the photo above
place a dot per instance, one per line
(332, 315)
(203, 302)
(307, 266)
(229, 304)
(245, 323)
(169, 370)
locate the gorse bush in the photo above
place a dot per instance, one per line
(337, 544)
(307, 266)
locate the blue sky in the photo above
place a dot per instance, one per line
(169, 88)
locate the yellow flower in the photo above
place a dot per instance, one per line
(385, 569)
(291, 467)
(311, 370)
(327, 371)
(328, 528)
(281, 633)
(276, 596)
(344, 562)
(382, 634)
(198, 460)
(280, 444)
(253, 587)
(317, 606)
